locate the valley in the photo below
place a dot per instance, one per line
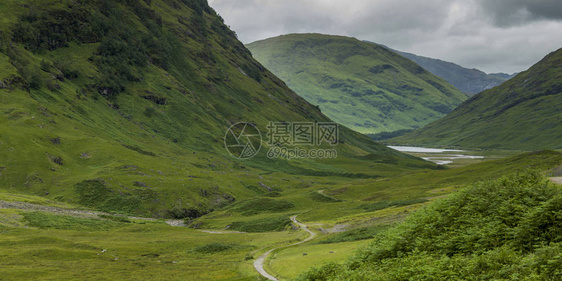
(143, 140)
(238, 234)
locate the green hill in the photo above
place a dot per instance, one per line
(364, 86)
(123, 106)
(522, 113)
(506, 229)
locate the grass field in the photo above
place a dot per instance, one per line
(38, 245)
(59, 247)
(289, 263)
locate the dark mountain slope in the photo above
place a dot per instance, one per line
(123, 106)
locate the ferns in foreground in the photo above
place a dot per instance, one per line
(507, 229)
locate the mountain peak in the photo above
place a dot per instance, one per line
(361, 85)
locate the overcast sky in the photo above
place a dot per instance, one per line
(491, 35)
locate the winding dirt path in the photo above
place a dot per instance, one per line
(212, 231)
(259, 262)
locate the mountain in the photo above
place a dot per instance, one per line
(522, 113)
(123, 106)
(503, 76)
(361, 85)
(469, 81)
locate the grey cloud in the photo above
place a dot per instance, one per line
(399, 15)
(515, 12)
(491, 35)
(250, 17)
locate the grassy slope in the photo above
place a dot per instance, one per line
(523, 113)
(361, 85)
(158, 144)
(506, 229)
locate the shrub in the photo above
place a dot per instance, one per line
(92, 192)
(189, 213)
(507, 229)
(34, 79)
(123, 51)
(41, 30)
(45, 66)
(149, 112)
(65, 67)
(542, 225)
(214, 248)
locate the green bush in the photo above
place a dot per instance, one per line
(271, 194)
(507, 229)
(92, 192)
(34, 79)
(542, 225)
(95, 194)
(214, 248)
(65, 67)
(183, 213)
(122, 53)
(45, 66)
(149, 112)
(41, 30)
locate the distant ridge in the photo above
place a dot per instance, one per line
(524, 113)
(468, 81)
